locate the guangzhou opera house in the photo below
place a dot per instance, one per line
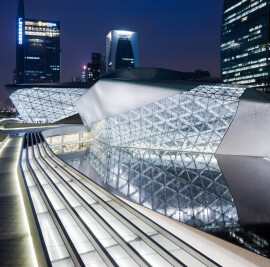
(46, 103)
(163, 168)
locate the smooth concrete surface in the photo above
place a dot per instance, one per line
(4, 141)
(222, 252)
(248, 179)
(15, 241)
(112, 97)
(248, 134)
(64, 130)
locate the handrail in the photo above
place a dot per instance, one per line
(200, 256)
(66, 239)
(42, 241)
(141, 261)
(109, 259)
(4, 142)
(161, 250)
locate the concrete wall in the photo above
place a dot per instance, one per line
(65, 130)
(111, 97)
(249, 183)
(4, 140)
(249, 133)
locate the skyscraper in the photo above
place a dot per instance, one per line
(95, 69)
(37, 49)
(245, 43)
(121, 50)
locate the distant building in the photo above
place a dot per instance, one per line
(93, 70)
(37, 49)
(96, 68)
(96, 58)
(76, 79)
(14, 76)
(245, 43)
(121, 50)
(83, 73)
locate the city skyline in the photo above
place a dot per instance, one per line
(135, 133)
(183, 47)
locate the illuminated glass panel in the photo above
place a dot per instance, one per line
(161, 155)
(188, 187)
(46, 105)
(194, 121)
(20, 31)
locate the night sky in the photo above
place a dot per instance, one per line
(182, 35)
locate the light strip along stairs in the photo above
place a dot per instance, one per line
(82, 224)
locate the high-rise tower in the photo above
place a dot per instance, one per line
(95, 69)
(37, 49)
(121, 50)
(19, 44)
(245, 43)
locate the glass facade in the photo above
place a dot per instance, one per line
(121, 50)
(38, 51)
(244, 43)
(124, 54)
(188, 187)
(46, 105)
(95, 227)
(193, 121)
(162, 155)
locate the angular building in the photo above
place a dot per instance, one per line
(178, 144)
(183, 147)
(37, 49)
(121, 50)
(46, 103)
(51, 102)
(244, 43)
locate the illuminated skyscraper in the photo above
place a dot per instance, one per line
(245, 43)
(37, 49)
(95, 68)
(121, 50)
